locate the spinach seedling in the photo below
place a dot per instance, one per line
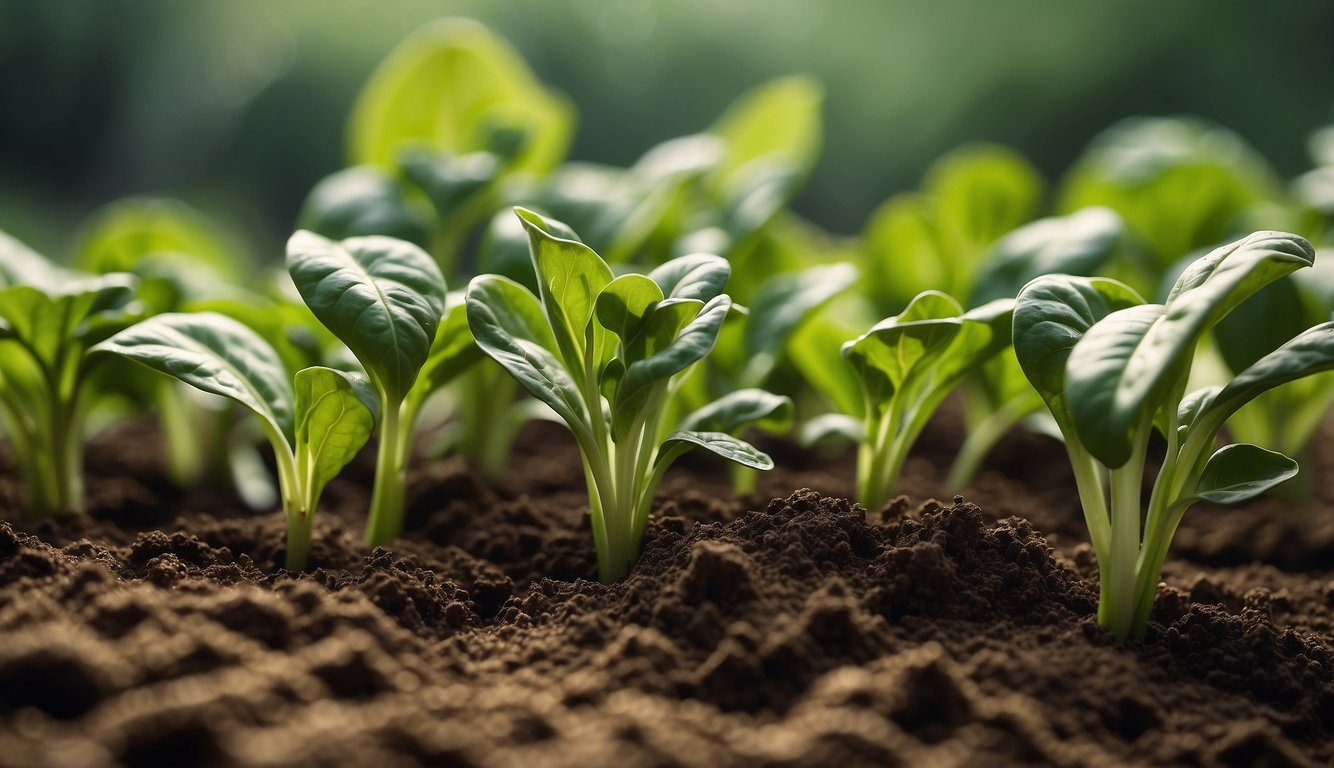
(1113, 369)
(385, 299)
(605, 353)
(903, 368)
(315, 423)
(49, 317)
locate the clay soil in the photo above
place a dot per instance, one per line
(786, 628)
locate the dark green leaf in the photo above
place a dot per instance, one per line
(1240, 472)
(700, 276)
(508, 324)
(1076, 244)
(215, 354)
(740, 408)
(724, 445)
(382, 297)
(1051, 315)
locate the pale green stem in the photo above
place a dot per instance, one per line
(387, 497)
(1118, 612)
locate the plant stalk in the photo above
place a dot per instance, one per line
(387, 497)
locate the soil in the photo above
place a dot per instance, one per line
(785, 628)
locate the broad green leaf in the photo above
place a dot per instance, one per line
(782, 303)
(815, 351)
(984, 332)
(508, 324)
(1180, 184)
(900, 348)
(120, 235)
(730, 448)
(216, 354)
(381, 297)
(624, 305)
(1193, 404)
(363, 200)
(740, 408)
(1076, 244)
(1105, 421)
(1122, 373)
(20, 265)
(699, 276)
(905, 253)
(455, 86)
(1310, 352)
(450, 181)
(830, 425)
(570, 276)
(1051, 315)
(47, 321)
(1240, 472)
(687, 156)
(776, 123)
(453, 350)
(336, 413)
(983, 191)
(665, 321)
(690, 345)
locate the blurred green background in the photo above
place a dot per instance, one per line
(240, 106)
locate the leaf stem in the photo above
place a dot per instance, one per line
(387, 497)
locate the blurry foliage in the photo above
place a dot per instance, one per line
(240, 107)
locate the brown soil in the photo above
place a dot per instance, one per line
(801, 631)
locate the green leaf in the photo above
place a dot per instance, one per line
(1076, 244)
(1240, 472)
(692, 343)
(719, 443)
(121, 235)
(742, 407)
(215, 354)
(781, 304)
(507, 321)
(777, 123)
(816, 352)
(381, 297)
(1118, 374)
(455, 86)
(336, 413)
(453, 350)
(1051, 315)
(450, 181)
(46, 320)
(830, 425)
(902, 347)
(1143, 168)
(625, 303)
(363, 200)
(700, 276)
(983, 192)
(1310, 352)
(570, 276)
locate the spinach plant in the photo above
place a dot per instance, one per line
(385, 299)
(901, 370)
(1112, 369)
(49, 317)
(605, 353)
(316, 423)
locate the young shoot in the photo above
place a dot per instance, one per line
(605, 354)
(316, 423)
(1113, 369)
(903, 368)
(49, 317)
(385, 299)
